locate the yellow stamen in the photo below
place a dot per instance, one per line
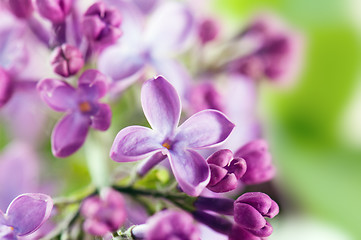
(84, 107)
(166, 145)
(12, 229)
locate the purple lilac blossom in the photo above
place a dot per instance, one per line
(205, 96)
(251, 208)
(103, 214)
(142, 46)
(208, 30)
(21, 8)
(162, 108)
(277, 56)
(101, 25)
(166, 225)
(66, 60)
(54, 10)
(259, 162)
(25, 214)
(82, 107)
(249, 212)
(5, 87)
(226, 170)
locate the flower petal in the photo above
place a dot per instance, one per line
(7, 233)
(169, 28)
(190, 170)
(69, 134)
(134, 143)
(102, 119)
(28, 212)
(59, 95)
(161, 105)
(248, 217)
(93, 84)
(204, 129)
(121, 61)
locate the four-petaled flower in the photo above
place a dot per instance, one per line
(82, 107)
(162, 108)
(25, 214)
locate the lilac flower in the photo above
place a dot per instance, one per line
(19, 171)
(25, 214)
(249, 212)
(166, 225)
(142, 46)
(67, 60)
(251, 208)
(258, 160)
(162, 108)
(225, 171)
(5, 87)
(54, 10)
(101, 24)
(207, 30)
(21, 8)
(277, 56)
(205, 96)
(82, 107)
(103, 214)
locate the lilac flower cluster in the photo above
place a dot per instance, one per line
(198, 140)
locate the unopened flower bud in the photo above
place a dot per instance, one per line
(167, 225)
(205, 96)
(225, 171)
(67, 60)
(5, 87)
(259, 162)
(54, 10)
(103, 214)
(207, 30)
(101, 24)
(21, 8)
(251, 208)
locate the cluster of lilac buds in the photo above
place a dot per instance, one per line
(156, 86)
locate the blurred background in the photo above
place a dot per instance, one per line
(315, 127)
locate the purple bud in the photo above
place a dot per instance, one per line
(207, 30)
(171, 224)
(259, 162)
(205, 96)
(67, 60)
(54, 10)
(238, 233)
(225, 171)
(103, 214)
(5, 87)
(101, 24)
(21, 8)
(250, 66)
(251, 208)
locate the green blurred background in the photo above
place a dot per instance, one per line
(314, 127)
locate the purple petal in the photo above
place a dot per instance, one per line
(7, 233)
(93, 84)
(161, 105)
(102, 119)
(248, 217)
(221, 158)
(169, 28)
(28, 212)
(238, 233)
(205, 129)
(190, 170)
(260, 201)
(217, 174)
(69, 134)
(95, 227)
(121, 61)
(228, 183)
(263, 232)
(59, 95)
(134, 143)
(5, 87)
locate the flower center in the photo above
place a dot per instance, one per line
(85, 107)
(166, 145)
